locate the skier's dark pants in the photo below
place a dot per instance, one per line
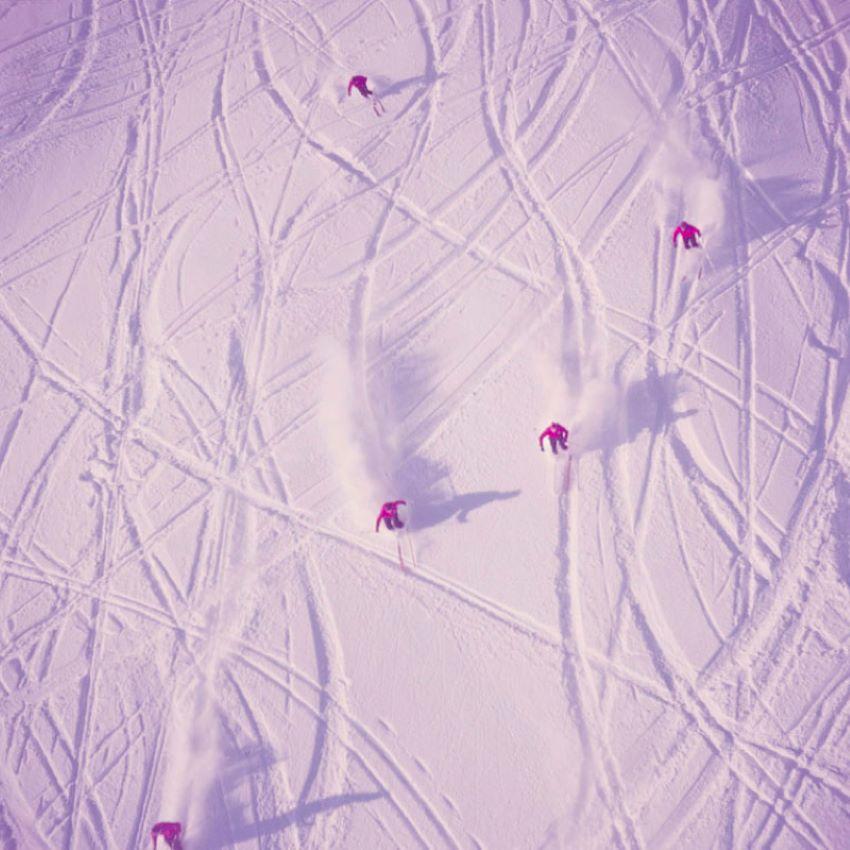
(555, 443)
(691, 242)
(388, 521)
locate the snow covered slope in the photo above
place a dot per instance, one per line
(238, 311)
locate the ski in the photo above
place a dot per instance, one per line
(406, 559)
(412, 550)
(561, 475)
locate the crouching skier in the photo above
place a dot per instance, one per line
(389, 514)
(358, 81)
(170, 833)
(689, 234)
(558, 436)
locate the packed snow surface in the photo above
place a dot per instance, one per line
(239, 310)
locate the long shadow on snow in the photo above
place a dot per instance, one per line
(645, 405)
(430, 513)
(797, 202)
(304, 814)
(425, 486)
(254, 759)
(384, 87)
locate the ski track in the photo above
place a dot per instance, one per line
(241, 106)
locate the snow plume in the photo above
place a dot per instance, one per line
(363, 454)
(561, 395)
(582, 405)
(571, 394)
(688, 190)
(601, 410)
(193, 764)
(195, 757)
(598, 411)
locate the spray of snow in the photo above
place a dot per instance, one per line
(599, 411)
(195, 754)
(687, 188)
(561, 396)
(363, 454)
(578, 403)
(193, 764)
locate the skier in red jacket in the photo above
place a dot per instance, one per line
(170, 833)
(558, 436)
(688, 233)
(389, 514)
(358, 81)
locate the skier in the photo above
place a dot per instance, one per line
(358, 81)
(688, 233)
(389, 514)
(170, 833)
(558, 436)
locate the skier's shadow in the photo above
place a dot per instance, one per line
(623, 413)
(780, 200)
(424, 483)
(431, 512)
(384, 86)
(302, 815)
(239, 767)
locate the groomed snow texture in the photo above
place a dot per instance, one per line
(239, 310)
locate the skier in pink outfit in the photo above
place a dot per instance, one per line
(389, 514)
(358, 81)
(688, 233)
(558, 436)
(170, 833)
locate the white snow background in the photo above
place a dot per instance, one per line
(238, 311)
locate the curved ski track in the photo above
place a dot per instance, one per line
(171, 527)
